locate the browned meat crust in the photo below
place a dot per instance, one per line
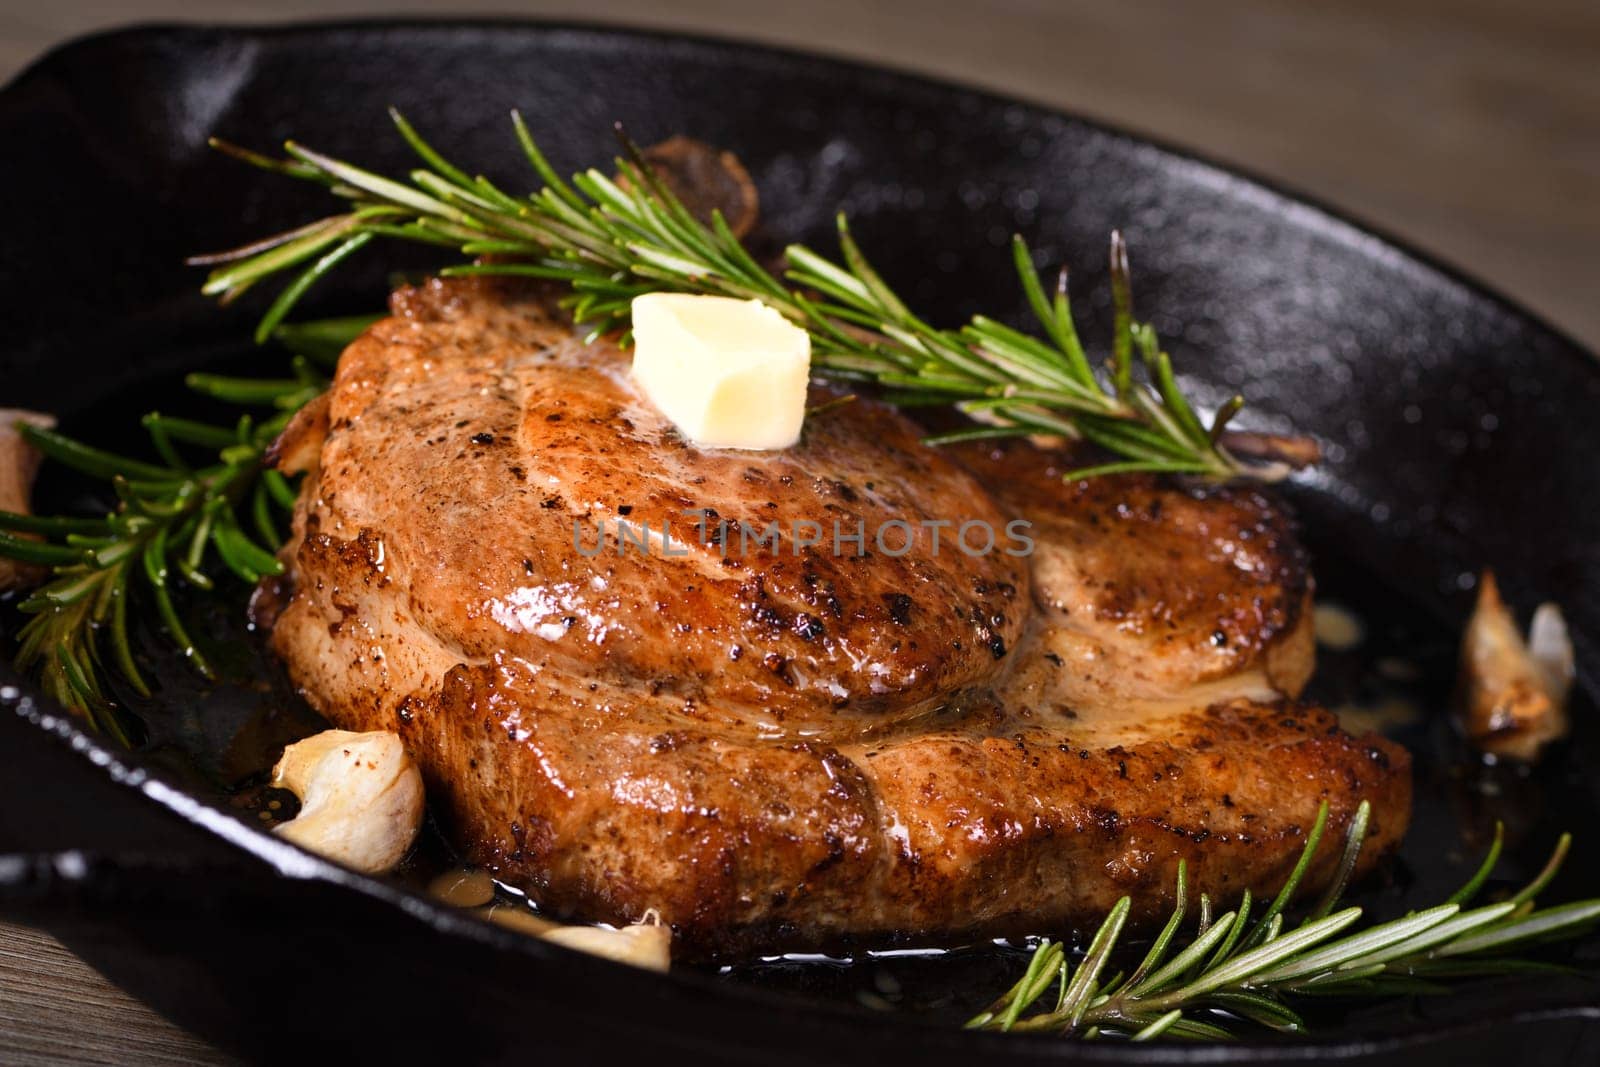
(777, 751)
(1148, 589)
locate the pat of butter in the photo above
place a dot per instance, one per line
(728, 373)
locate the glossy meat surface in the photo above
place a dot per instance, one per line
(780, 749)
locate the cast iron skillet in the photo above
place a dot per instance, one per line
(1460, 432)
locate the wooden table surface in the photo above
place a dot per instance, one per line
(1470, 127)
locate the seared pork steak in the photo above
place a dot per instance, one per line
(778, 745)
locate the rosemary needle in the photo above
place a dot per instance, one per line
(1255, 978)
(207, 499)
(611, 240)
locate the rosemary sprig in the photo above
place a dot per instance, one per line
(206, 497)
(1231, 971)
(611, 240)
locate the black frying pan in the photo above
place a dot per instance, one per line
(1460, 432)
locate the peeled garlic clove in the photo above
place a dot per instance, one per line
(644, 945)
(520, 919)
(1337, 628)
(1513, 699)
(360, 797)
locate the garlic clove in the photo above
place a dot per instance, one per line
(520, 919)
(360, 798)
(1512, 693)
(19, 464)
(644, 945)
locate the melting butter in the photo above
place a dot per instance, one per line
(1383, 717)
(1337, 628)
(470, 888)
(728, 373)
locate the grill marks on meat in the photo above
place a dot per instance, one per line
(779, 751)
